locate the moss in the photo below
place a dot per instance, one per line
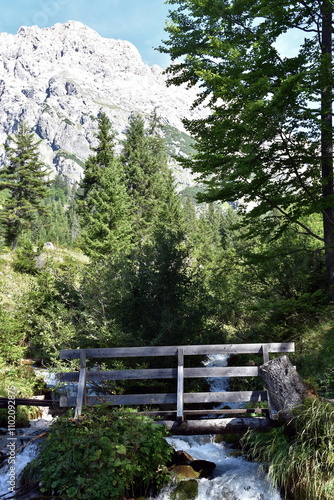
(184, 471)
(185, 490)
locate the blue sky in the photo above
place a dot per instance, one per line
(141, 22)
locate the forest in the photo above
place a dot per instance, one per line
(133, 262)
(125, 258)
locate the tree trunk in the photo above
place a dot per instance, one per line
(327, 140)
(286, 389)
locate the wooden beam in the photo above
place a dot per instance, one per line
(272, 410)
(81, 394)
(171, 398)
(161, 373)
(180, 384)
(225, 397)
(130, 352)
(218, 425)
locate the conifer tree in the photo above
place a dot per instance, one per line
(25, 179)
(145, 164)
(103, 202)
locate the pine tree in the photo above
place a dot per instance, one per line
(145, 164)
(25, 179)
(103, 202)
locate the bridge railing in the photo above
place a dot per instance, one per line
(178, 398)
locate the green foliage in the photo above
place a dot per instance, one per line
(144, 160)
(108, 454)
(50, 310)
(25, 178)
(25, 258)
(71, 156)
(22, 377)
(260, 146)
(103, 202)
(11, 338)
(304, 462)
(22, 416)
(177, 141)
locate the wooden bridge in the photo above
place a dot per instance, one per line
(180, 416)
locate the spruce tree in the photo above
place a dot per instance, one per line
(25, 178)
(103, 202)
(145, 164)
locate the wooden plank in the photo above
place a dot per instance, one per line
(221, 371)
(272, 412)
(129, 352)
(265, 353)
(81, 394)
(128, 399)
(28, 402)
(217, 425)
(236, 411)
(139, 374)
(180, 385)
(225, 397)
(171, 398)
(162, 373)
(172, 413)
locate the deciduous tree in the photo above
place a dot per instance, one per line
(268, 141)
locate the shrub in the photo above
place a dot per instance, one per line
(106, 455)
(25, 258)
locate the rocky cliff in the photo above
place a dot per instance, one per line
(58, 79)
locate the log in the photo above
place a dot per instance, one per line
(217, 425)
(285, 387)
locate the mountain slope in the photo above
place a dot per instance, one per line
(58, 79)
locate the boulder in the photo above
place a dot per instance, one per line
(203, 467)
(185, 490)
(184, 471)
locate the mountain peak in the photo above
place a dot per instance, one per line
(59, 79)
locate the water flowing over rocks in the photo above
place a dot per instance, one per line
(59, 79)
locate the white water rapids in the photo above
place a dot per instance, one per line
(234, 477)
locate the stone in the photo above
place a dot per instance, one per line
(49, 246)
(184, 471)
(185, 490)
(203, 467)
(181, 457)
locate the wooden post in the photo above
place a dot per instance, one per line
(272, 410)
(81, 394)
(180, 384)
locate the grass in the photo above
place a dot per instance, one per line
(314, 356)
(300, 457)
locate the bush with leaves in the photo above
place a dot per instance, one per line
(106, 455)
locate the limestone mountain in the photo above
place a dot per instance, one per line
(59, 79)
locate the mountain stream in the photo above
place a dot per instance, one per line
(234, 478)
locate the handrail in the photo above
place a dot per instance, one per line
(179, 373)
